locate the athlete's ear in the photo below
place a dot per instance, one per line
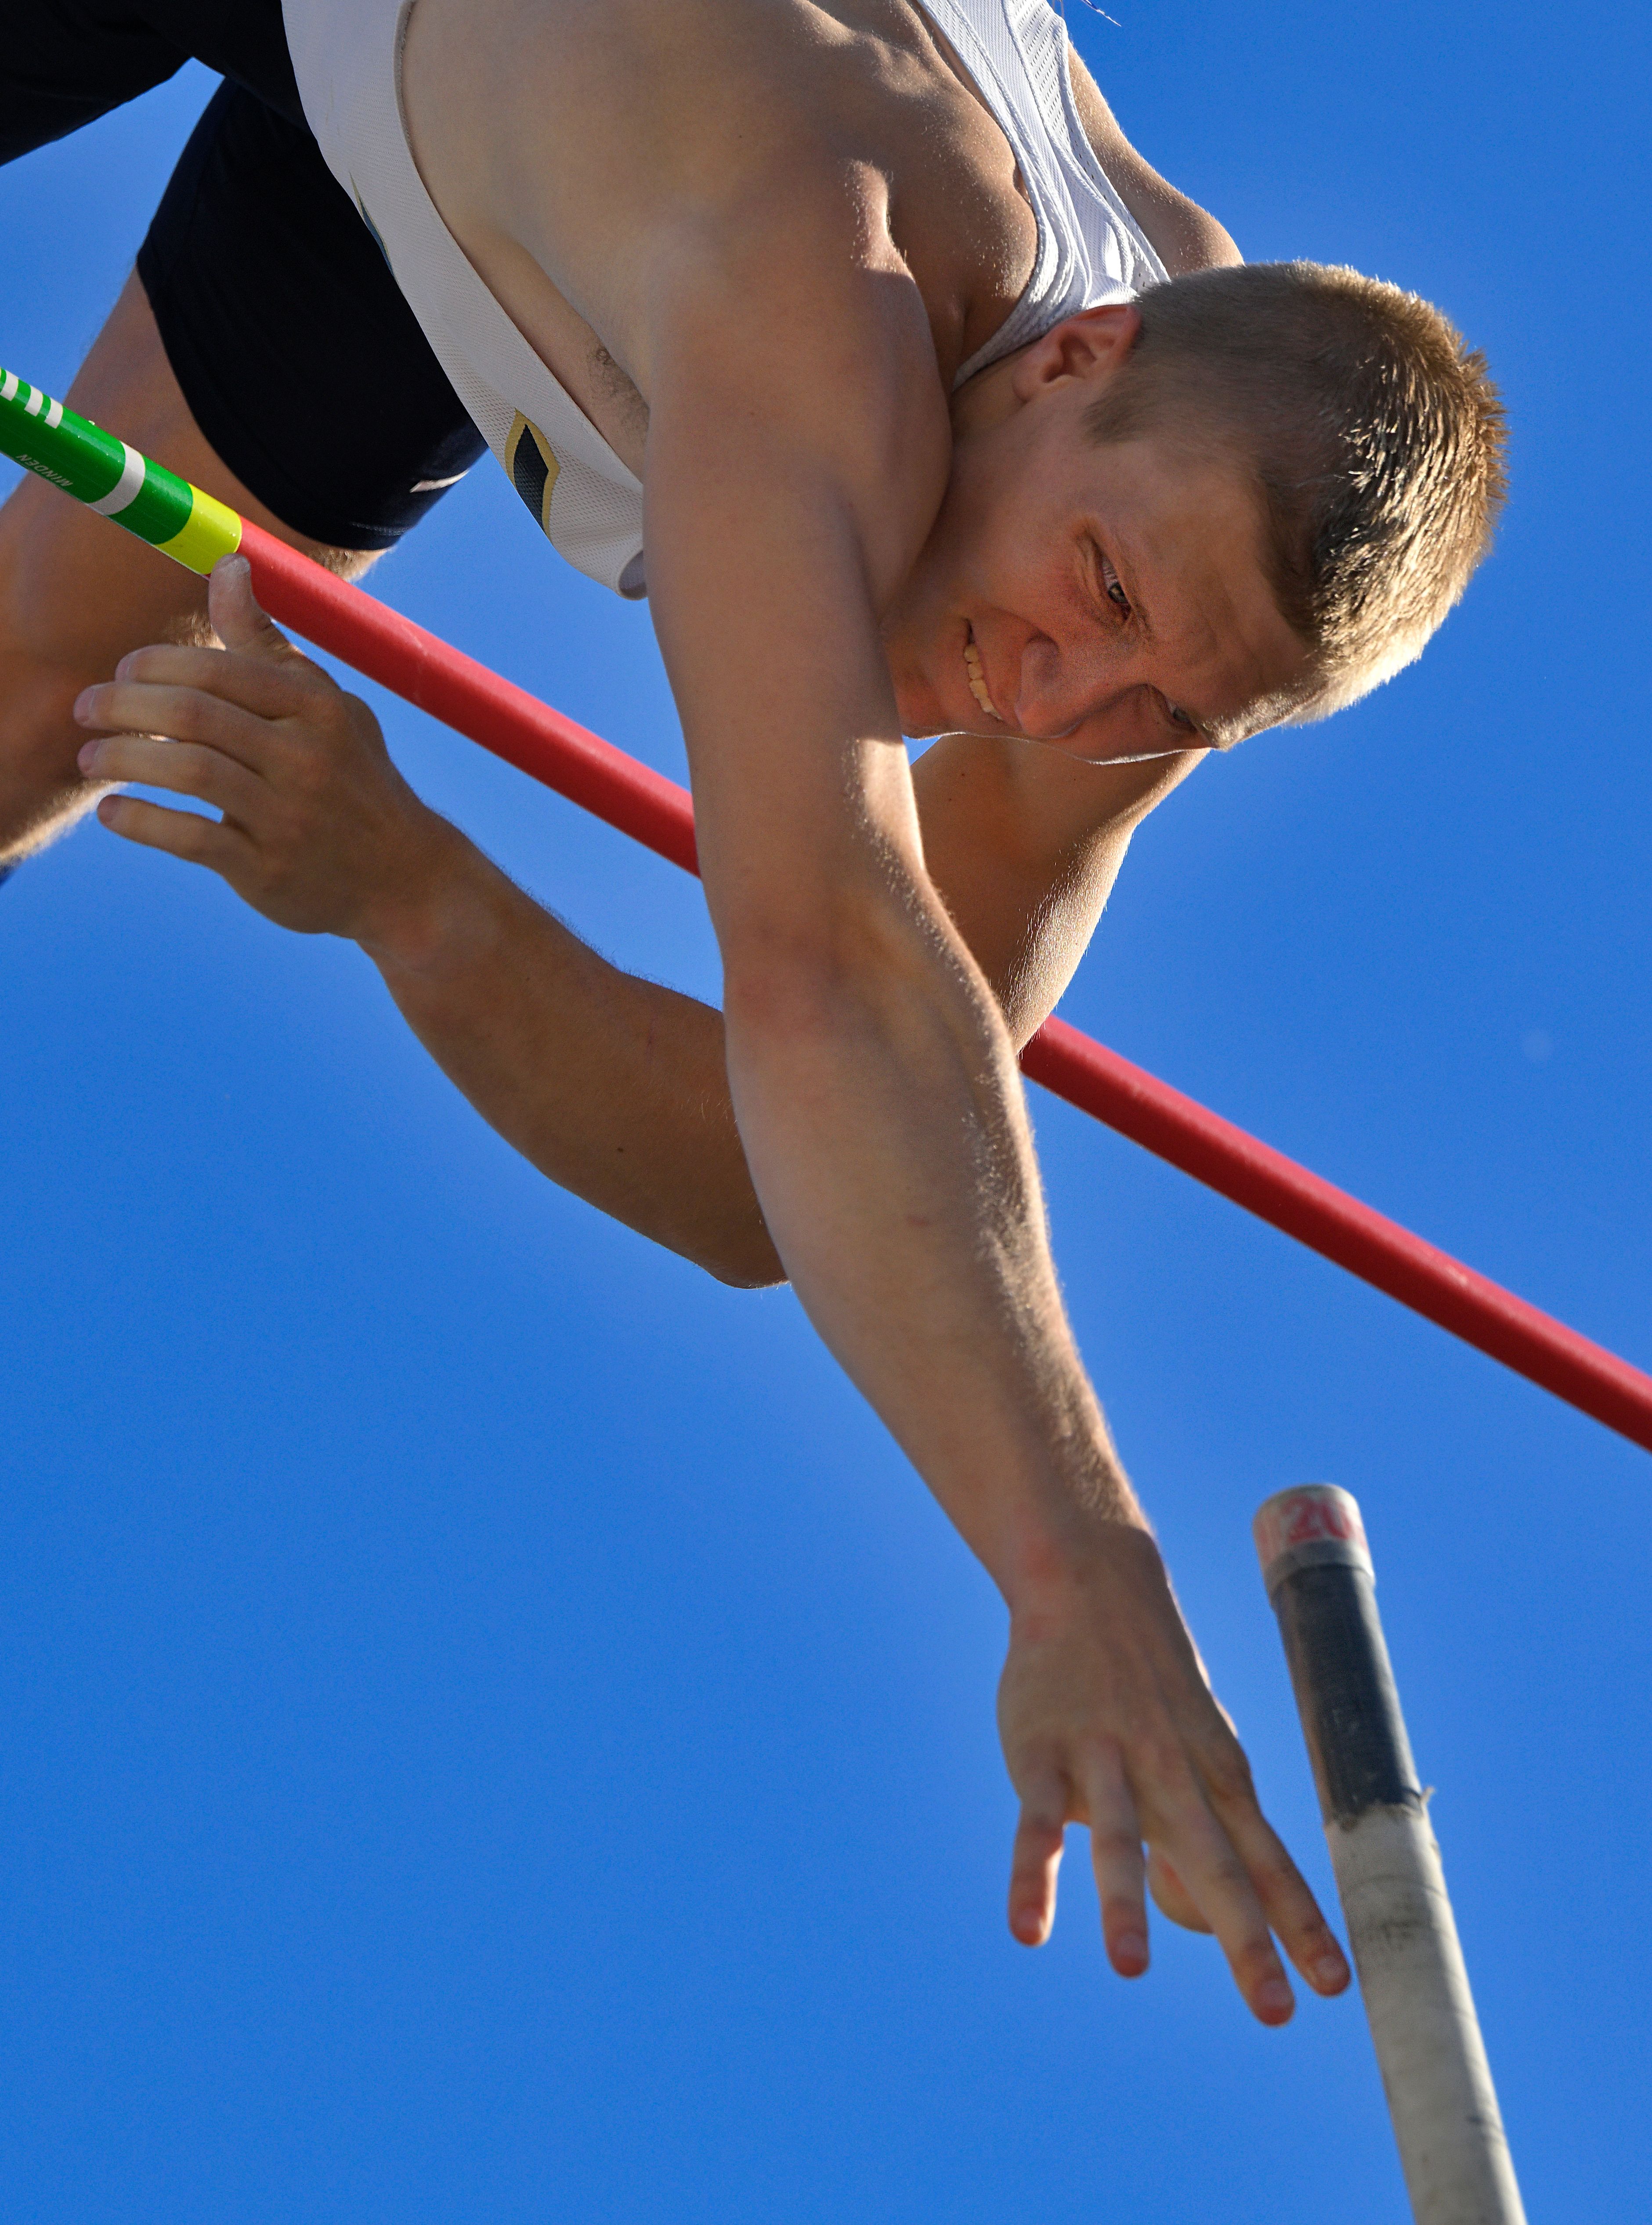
(1091, 343)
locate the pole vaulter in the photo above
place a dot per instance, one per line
(111, 477)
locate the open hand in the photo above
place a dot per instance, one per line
(1107, 1719)
(319, 832)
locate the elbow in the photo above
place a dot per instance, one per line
(747, 1274)
(743, 1259)
(803, 978)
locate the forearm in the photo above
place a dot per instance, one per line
(883, 1124)
(873, 1076)
(613, 1087)
(619, 1089)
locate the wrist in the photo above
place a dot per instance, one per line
(427, 906)
(1050, 1550)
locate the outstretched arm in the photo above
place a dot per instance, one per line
(617, 1088)
(875, 1089)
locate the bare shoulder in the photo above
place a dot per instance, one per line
(1039, 808)
(1024, 842)
(832, 386)
(1185, 237)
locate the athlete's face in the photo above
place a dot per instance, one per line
(1110, 599)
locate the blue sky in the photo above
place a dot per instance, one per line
(489, 1725)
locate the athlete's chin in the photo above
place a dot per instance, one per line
(927, 710)
(922, 726)
(917, 642)
(919, 704)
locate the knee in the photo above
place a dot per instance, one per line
(41, 792)
(41, 789)
(75, 596)
(71, 602)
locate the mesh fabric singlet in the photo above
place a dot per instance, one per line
(346, 54)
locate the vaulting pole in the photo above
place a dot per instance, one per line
(182, 522)
(1317, 1568)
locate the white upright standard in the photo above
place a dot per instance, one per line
(1319, 1576)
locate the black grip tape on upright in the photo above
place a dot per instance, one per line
(1323, 1589)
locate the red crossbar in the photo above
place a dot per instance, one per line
(655, 811)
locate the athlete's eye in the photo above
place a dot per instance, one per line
(1114, 588)
(1178, 717)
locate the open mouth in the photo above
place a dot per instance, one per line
(977, 678)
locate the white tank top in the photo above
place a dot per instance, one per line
(347, 60)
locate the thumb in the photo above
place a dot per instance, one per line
(236, 617)
(1171, 1896)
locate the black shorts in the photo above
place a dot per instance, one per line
(268, 289)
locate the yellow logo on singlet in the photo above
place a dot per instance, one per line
(531, 462)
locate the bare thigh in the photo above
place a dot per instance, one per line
(76, 593)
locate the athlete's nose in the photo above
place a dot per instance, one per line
(1058, 690)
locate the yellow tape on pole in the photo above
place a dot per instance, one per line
(211, 529)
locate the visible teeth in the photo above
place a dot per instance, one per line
(978, 681)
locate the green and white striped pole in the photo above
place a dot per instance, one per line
(112, 478)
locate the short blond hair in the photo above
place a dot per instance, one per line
(1375, 435)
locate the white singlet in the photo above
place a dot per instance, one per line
(347, 60)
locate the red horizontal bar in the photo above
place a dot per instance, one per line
(470, 699)
(1328, 1220)
(655, 811)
